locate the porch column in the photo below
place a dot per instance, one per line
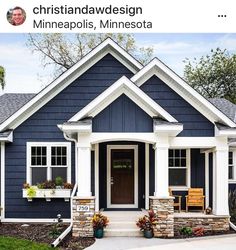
(161, 168)
(84, 166)
(220, 193)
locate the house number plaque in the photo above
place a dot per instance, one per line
(83, 208)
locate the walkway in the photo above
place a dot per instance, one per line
(227, 242)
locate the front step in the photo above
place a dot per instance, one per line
(123, 224)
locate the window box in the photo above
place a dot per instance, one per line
(47, 194)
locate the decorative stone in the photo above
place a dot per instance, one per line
(164, 208)
(82, 220)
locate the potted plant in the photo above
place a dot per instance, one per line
(99, 221)
(147, 223)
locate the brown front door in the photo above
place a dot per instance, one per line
(122, 176)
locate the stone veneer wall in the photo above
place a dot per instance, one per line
(82, 225)
(208, 222)
(164, 207)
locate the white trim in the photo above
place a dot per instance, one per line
(96, 166)
(71, 128)
(207, 185)
(108, 46)
(48, 146)
(234, 165)
(8, 138)
(225, 132)
(158, 68)
(188, 170)
(2, 180)
(171, 130)
(147, 162)
(135, 148)
(122, 86)
(15, 220)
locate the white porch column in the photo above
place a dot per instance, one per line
(161, 168)
(84, 166)
(220, 192)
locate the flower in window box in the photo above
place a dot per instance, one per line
(67, 185)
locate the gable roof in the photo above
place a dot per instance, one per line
(175, 82)
(10, 103)
(122, 86)
(106, 47)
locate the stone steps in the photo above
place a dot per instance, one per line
(123, 224)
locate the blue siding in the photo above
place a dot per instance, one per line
(42, 126)
(195, 124)
(123, 115)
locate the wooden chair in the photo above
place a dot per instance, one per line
(195, 198)
(177, 200)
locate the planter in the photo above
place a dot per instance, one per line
(98, 233)
(48, 194)
(148, 234)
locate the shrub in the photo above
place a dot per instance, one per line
(48, 185)
(186, 231)
(198, 231)
(67, 185)
(31, 192)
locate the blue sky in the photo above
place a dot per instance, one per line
(24, 72)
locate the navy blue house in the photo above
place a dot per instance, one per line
(118, 131)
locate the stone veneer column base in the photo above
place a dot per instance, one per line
(82, 221)
(164, 207)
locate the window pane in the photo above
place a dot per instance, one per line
(53, 150)
(177, 153)
(62, 172)
(230, 158)
(177, 162)
(183, 153)
(33, 151)
(39, 175)
(63, 161)
(58, 150)
(231, 176)
(183, 162)
(177, 177)
(38, 156)
(171, 163)
(33, 161)
(63, 150)
(170, 153)
(58, 156)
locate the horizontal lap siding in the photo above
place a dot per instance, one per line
(42, 126)
(122, 115)
(195, 124)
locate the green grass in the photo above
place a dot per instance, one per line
(11, 243)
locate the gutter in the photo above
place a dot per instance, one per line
(63, 234)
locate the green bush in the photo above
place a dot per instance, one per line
(186, 231)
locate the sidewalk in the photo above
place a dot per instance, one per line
(227, 242)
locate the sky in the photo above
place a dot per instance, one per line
(25, 73)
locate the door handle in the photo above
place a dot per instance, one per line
(112, 180)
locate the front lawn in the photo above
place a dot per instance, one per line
(10, 243)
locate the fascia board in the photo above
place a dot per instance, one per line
(108, 46)
(156, 65)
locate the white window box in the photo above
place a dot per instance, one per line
(48, 194)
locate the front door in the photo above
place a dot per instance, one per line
(122, 176)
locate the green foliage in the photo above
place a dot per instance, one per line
(232, 205)
(63, 51)
(187, 231)
(2, 77)
(213, 75)
(59, 181)
(10, 243)
(31, 192)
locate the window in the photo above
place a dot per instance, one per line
(46, 161)
(232, 165)
(179, 167)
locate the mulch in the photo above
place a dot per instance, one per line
(44, 233)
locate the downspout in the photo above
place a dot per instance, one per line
(63, 234)
(232, 226)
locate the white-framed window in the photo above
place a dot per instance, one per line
(179, 168)
(232, 165)
(47, 160)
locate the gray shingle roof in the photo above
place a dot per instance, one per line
(10, 103)
(225, 106)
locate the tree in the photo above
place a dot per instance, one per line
(63, 50)
(2, 77)
(213, 75)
